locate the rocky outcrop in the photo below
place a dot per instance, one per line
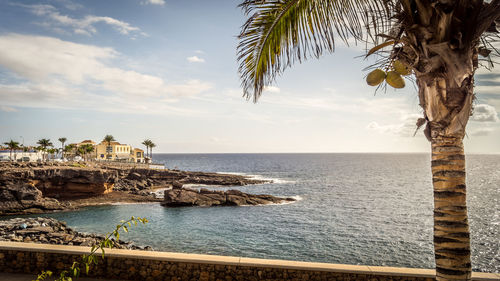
(52, 231)
(27, 188)
(36, 188)
(25, 198)
(140, 179)
(62, 181)
(180, 197)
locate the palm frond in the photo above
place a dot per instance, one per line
(489, 47)
(281, 32)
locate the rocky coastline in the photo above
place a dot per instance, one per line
(181, 197)
(31, 188)
(52, 231)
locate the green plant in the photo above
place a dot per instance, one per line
(92, 258)
(12, 145)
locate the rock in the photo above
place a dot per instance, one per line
(204, 197)
(176, 184)
(134, 176)
(54, 232)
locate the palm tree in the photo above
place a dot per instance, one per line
(151, 146)
(439, 42)
(44, 143)
(62, 140)
(88, 148)
(51, 151)
(81, 151)
(69, 148)
(12, 145)
(147, 143)
(108, 139)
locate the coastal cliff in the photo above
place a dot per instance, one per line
(27, 188)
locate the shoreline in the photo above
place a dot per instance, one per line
(38, 188)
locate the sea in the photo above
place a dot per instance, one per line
(369, 209)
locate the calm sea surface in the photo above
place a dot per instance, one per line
(373, 209)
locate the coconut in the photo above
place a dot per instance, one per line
(401, 68)
(395, 80)
(375, 77)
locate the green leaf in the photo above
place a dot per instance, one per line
(280, 33)
(380, 46)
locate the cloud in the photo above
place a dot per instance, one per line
(271, 89)
(482, 132)
(406, 128)
(195, 59)
(154, 2)
(7, 109)
(337, 103)
(84, 26)
(485, 113)
(62, 74)
(70, 5)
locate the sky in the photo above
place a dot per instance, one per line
(167, 70)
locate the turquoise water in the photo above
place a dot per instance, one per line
(373, 209)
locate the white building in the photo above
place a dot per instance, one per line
(19, 155)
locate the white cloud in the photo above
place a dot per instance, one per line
(199, 52)
(338, 103)
(7, 109)
(62, 74)
(485, 113)
(272, 89)
(482, 132)
(195, 59)
(406, 128)
(70, 5)
(154, 2)
(85, 26)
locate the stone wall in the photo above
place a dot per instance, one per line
(142, 265)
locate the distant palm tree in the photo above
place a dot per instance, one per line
(108, 139)
(69, 148)
(62, 140)
(151, 146)
(51, 151)
(12, 145)
(88, 148)
(147, 143)
(81, 151)
(44, 143)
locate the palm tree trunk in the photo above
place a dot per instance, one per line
(451, 228)
(446, 95)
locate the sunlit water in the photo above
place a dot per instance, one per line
(373, 209)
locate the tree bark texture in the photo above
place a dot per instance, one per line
(446, 95)
(451, 228)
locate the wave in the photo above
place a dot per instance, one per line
(261, 177)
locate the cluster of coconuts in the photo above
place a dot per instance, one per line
(393, 77)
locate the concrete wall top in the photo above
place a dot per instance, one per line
(236, 261)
